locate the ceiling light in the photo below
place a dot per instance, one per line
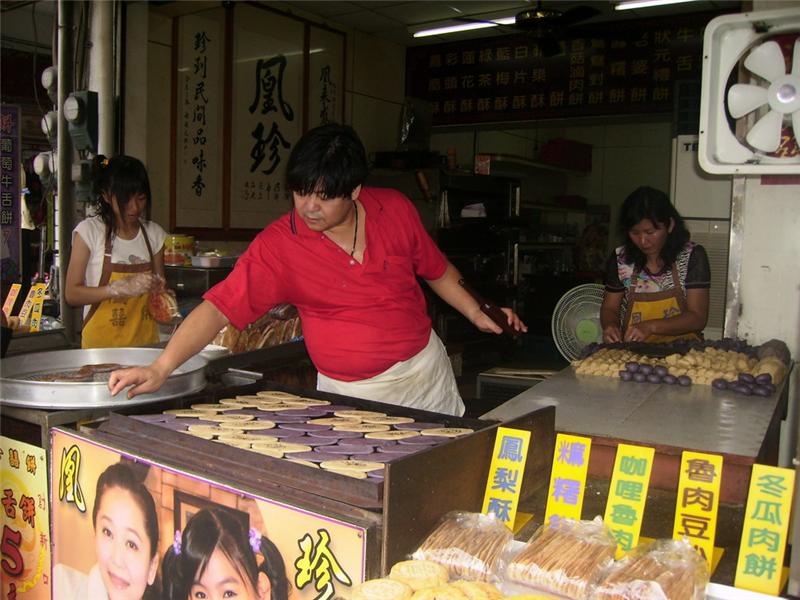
(628, 4)
(465, 27)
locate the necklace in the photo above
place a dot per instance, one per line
(355, 231)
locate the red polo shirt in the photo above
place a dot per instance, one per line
(358, 319)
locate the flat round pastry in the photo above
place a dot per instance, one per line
(348, 449)
(247, 425)
(212, 429)
(306, 463)
(222, 418)
(382, 589)
(304, 427)
(312, 401)
(279, 418)
(281, 446)
(361, 427)
(335, 421)
(236, 437)
(188, 412)
(448, 431)
(388, 420)
(418, 426)
(275, 432)
(359, 414)
(308, 412)
(248, 398)
(256, 436)
(439, 592)
(352, 465)
(276, 394)
(239, 401)
(278, 406)
(424, 440)
(314, 442)
(347, 473)
(419, 574)
(266, 451)
(477, 590)
(400, 450)
(337, 435)
(214, 407)
(316, 456)
(391, 435)
(254, 412)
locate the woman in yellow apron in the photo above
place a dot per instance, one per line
(117, 258)
(658, 281)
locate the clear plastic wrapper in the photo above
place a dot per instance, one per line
(661, 570)
(469, 545)
(563, 558)
(135, 285)
(163, 307)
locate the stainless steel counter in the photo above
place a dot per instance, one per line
(695, 417)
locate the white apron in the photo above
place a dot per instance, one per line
(424, 381)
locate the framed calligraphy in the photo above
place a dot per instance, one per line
(199, 119)
(326, 77)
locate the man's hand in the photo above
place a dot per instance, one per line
(483, 322)
(143, 379)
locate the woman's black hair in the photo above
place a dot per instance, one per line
(329, 160)
(214, 528)
(649, 203)
(121, 176)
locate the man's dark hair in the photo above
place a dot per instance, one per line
(649, 203)
(329, 160)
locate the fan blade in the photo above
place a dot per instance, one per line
(766, 133)
(766, 61)
(744, 98)
(796, 59)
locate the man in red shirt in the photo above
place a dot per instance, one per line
(348, 257)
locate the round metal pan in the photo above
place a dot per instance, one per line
(17, 390)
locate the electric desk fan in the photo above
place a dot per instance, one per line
(576, 320)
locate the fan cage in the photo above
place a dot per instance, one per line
(579, 303)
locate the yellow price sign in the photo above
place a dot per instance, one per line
(8, 305)
(698, 501)
(504, 483)
(38, 302)
(627, 494)
(568, 477)
(766, 523)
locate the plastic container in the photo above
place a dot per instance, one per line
(178, 250)
(213, 261)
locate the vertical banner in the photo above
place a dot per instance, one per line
(111, 508)
(26, 522)
(766, 524)
(11, 298)
(568, 477)
(627, 494)
(10, 188)
(505, 474)
(325, 77)
(698, 500)
(267, 111)
(201, 45)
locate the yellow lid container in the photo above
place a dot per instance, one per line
(178, 250)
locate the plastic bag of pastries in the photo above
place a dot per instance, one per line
(663, 569)
(469, 545)
(563, 557)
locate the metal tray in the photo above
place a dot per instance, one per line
(15, 390)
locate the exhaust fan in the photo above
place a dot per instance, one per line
(767, 45)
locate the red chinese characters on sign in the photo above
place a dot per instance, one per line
(605, 70)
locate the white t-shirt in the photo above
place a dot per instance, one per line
(93, 233)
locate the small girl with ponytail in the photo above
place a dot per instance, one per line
(215, 557)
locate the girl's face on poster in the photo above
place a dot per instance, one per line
(122, 546)
(221, 580)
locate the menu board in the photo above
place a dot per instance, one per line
(611, 69)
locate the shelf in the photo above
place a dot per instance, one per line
(515, 166)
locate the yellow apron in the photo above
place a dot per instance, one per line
(657, 305)
(123, 322)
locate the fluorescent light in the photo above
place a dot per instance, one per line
(465, 27)
(647, 3)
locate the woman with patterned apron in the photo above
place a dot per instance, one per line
(657, 282)
(112, 264)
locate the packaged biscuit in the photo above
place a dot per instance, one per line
(469, 545)
(564, 557)
(663, 570)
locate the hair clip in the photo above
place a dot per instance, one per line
(176, 543)
(255, 539)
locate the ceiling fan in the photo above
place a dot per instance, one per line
(547, 24)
